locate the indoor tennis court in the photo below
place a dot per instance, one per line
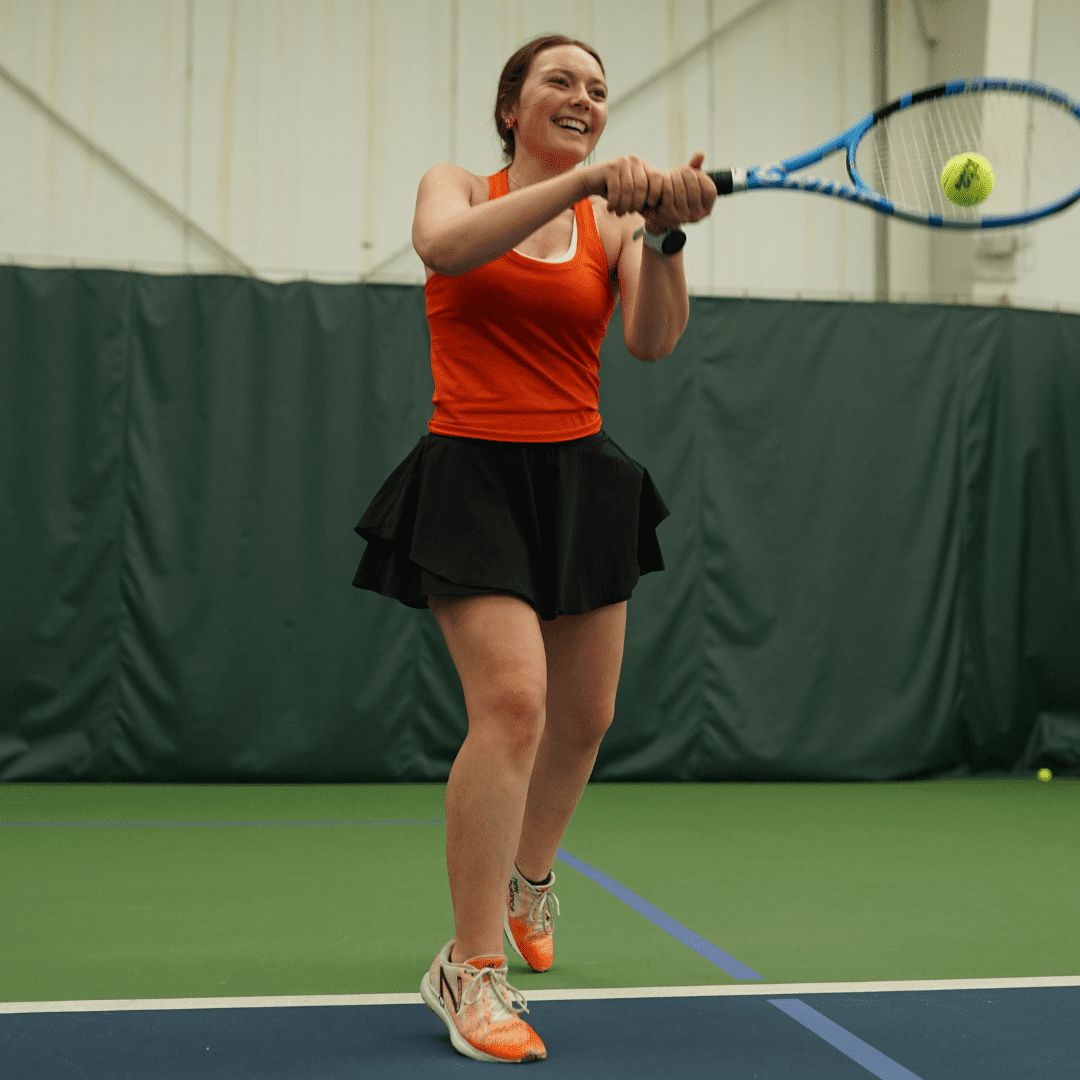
(832, 828)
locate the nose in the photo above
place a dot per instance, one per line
(580, 97)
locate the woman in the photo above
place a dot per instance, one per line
(516, 519)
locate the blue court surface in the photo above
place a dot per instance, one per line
(763, 1033)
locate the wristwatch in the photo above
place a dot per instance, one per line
(667, 243)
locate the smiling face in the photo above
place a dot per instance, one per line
(564, 84)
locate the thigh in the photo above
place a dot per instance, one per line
(497, 648)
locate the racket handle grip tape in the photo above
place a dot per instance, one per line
(728, 180)
(722, 180)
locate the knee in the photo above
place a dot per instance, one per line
(514, 717)
(581, 729)
(596, 727)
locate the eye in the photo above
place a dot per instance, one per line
(560, 79)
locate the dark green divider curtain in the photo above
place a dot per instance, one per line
(873, 554)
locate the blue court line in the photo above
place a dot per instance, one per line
(735, 968)
(861, 1053)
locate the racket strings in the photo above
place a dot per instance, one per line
(1032, 144)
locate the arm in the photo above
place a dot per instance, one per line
(655, 305)
(653, 286)
(453, 237)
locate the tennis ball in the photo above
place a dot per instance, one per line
(967, 179)
(1045, 774)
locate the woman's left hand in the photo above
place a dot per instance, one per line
(689, 195)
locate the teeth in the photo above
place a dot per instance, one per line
(571, 125)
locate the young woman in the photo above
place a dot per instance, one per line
(517, 519)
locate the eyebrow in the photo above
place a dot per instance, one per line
(567, 71)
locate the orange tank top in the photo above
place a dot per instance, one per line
(515, 343)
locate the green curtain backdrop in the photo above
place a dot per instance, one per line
(873, 557)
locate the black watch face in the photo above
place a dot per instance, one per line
(673, 242)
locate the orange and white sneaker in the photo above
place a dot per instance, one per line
(527, 920)
(477, 1005)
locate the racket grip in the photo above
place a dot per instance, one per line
(723, 181)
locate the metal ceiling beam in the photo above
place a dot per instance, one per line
(144, 189)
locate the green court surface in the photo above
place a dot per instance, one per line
(342, 889)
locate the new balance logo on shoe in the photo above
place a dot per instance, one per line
(444, 982)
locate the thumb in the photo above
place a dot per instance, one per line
(696, 160)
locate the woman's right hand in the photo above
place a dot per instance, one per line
(628, 183)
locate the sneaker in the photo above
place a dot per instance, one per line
(527, 920)
(477, 1005)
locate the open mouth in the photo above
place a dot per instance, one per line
(569, 127)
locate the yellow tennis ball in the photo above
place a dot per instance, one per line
(967, 179)
(1045, 774)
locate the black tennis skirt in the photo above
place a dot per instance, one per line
(567, 527)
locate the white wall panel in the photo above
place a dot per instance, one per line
(299, 134)
(791, 77)
(295, 106)
(115, 70)
(908, 68)
(1049, 268)
(959, 29)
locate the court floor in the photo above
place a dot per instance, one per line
(894, 930)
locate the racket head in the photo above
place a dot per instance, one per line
(1030, 134)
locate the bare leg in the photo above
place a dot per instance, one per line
(558, 779)
(485, 803)
(497, 648)
(584, 657)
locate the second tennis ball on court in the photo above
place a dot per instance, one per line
(1045, 774)
(967, 179)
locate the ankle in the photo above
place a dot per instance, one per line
(459, 956)
(531, 880)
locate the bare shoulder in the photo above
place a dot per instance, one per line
(447, 177)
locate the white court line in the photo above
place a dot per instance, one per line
(603, 994)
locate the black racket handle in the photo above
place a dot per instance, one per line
(722, 180)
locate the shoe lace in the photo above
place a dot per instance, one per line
(541, 901)
(506, 996)
(543, 907)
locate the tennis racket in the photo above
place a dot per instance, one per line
(1030, 134)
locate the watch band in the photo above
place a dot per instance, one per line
(667, 243)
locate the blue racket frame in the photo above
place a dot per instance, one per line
(764, 177)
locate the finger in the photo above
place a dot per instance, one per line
(629, 183)
(669, 194)
(706, 188)
(618, 170)
(708, 192)
(641, 187)
(651, 191)
(679, 204)
(698, 197)
(634, 186)
(611, 175)
(692, 182)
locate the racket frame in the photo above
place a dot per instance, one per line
(777, 177)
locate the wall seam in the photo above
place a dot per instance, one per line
(123, 607)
